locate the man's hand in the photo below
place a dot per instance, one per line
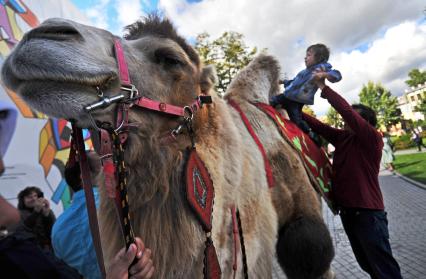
(319, 77)
(143, 268)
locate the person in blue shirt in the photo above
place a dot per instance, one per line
(301, 90)
(72, 240)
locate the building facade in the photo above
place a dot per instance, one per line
(408, 102)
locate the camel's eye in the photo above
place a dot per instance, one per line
(167, 57)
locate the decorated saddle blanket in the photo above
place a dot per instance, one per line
(315, 159)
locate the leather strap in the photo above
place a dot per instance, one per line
(105, 151)
(250, 129)
(150, 104)
(90, 199)
(121, 61)
(158, 106)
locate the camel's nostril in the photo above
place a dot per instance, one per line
(55, 32)
(62, 31)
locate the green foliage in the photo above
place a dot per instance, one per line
(308, 110)
(421, 107)
(228, 53)
(333, 118)
(382, 102)
(403, 142)
(416, 77)
(412, 166)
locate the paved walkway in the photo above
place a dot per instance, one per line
(406, 207)
(409, 151)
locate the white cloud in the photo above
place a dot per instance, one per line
(395, 42)
(114, 15)
(98, 14)
(388, 60)
(128, 11)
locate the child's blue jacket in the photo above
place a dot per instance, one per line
(301, 89)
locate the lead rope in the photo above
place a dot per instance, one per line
(121, 197)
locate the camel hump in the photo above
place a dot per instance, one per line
(208, 79)
(256, 82)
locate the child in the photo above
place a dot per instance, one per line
(301, 90)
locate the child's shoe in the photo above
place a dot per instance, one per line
(273, 102)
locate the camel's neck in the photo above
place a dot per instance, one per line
(159, 210)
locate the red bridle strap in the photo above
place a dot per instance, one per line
(150, 104)
(121, 61)
(268, 168)
(171, 109)
(158, 106)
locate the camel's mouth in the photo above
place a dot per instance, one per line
(42, 59)
(54, 78)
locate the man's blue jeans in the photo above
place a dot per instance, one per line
(368, 234)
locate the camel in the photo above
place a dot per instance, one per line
(59, 68)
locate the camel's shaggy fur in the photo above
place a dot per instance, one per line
(56, 68)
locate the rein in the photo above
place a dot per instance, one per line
(78, 154)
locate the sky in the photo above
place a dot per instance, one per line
(379, 41)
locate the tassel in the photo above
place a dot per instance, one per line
(211, 263)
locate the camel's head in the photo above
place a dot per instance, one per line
(58, 66)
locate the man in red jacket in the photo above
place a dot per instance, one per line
(356, 189)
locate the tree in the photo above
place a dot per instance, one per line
(333, 118)
(308, 110)
(421, 107)
(382, 102)
(416, 77)
(228, 53)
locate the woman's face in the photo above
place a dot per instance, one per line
(30, 199)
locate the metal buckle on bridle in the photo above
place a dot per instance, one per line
(189, 113)
(177, 131)
(133, 91)
(187, 123)
(104, 102)
(189, 116)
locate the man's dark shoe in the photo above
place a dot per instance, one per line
(273, 103)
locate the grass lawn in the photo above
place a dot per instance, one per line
(412, 166)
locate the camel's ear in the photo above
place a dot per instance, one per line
(208, 79)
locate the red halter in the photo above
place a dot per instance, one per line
(144, 102)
